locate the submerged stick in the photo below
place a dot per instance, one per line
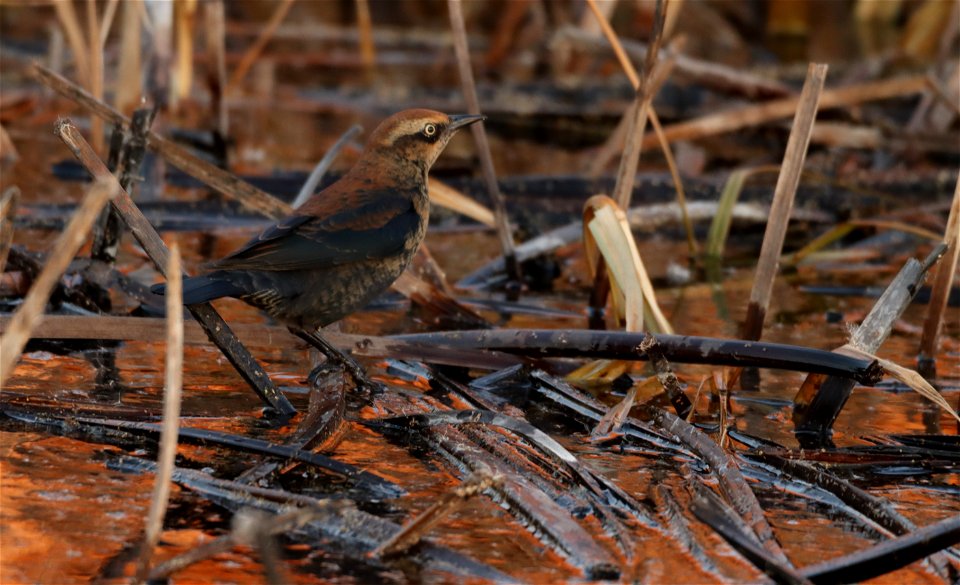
(31, 311)
(783, 196)
(943, 277)
(480, 138)
(450, 502)
(171, 413)
(153, 245)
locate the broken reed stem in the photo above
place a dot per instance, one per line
(783, 196)
(253, 53)
(749, 116)
(480, 138)
(8, 209)
(310, 185)
(71, 28)
(107, 22)
(940, 290)
(96, 71)
(216, 53)
(631, 74)
(368, 52)
(645, 87)
(216, 328)
(129, 85)
(226, 183)
(171, 412)
(412, 532)
(31, 311)
(820, 399)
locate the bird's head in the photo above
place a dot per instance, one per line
(410, 141)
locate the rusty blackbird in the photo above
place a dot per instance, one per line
(346, 244)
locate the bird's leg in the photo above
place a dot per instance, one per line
(337, 357)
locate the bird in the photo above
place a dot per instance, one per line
(346, 244)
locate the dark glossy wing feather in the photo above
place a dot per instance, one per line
(377, 229)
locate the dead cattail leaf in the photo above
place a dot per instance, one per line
(839, 231)
(909, 377)
(446, 196)
(611, 233)
(720, 227)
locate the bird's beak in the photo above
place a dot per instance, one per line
(462, 120)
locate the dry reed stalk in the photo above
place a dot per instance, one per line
(627, 172)
(8, 209)
(783, 196)
(8, 150)
(129, 85)
(173, 384)
(634, 78)
(749, 116)
(106, 23)
(216, 35)
(184, 18)
(446, 196)
(781, 209)
(253, 53)
(96, 72)
(943, 277)
(368, 52)
(591, 24)
(31, 311)
(480, 138)
(226, 183)
(74, 33)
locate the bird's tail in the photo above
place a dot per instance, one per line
(200, 289)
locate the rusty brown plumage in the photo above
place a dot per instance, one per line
(349, 242)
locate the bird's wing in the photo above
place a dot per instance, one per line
(379, 227)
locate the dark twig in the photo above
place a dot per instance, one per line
(580, 343)
(130, 157)
(888, 556)
(681, 404)
(153, 245)
(480, 137)
(732, 483)
(714, 512)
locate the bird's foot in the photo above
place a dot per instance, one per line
(341, 359)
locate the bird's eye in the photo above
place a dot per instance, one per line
(429, 130)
